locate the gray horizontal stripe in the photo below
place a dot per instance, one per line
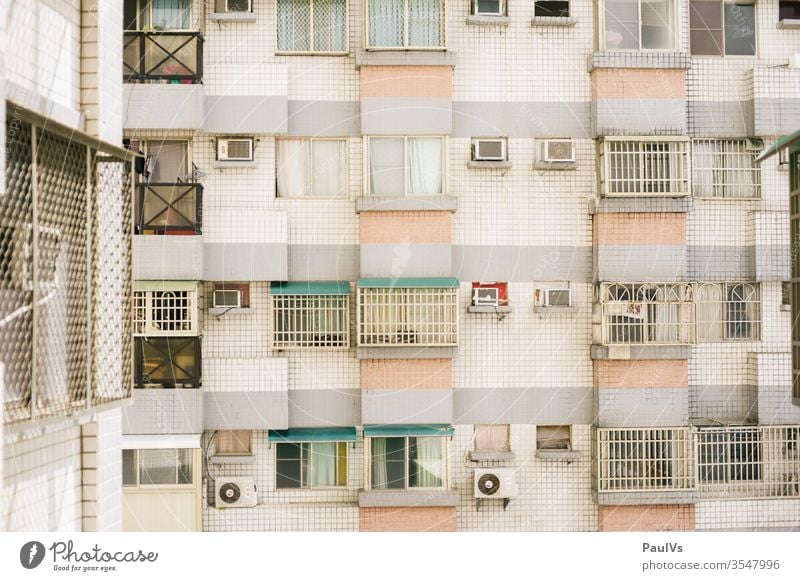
(321, 408)
(164, 411)
(556, 405)
(522, 120)
(776, 116)
(642, 407)
(523, 263)
(406, 406)
(404, 260)
(325, 118)
(639, 116)
(324, 262)
(640, 262)
(406, 115)
(167, 257)
(247, 114)
(244, 261)
(721, 118)
(723, 402)
(246, 410)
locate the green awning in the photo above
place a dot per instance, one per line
(165, 285)
(780, 143)
(313, 435)
(408, 283)
(336, 287)
(384, 431)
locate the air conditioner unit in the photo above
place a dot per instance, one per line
(495, 483)
(489, 150)
(235, 493)
(227, 298)
(486, 296)
(235, 149)
(553, 297)
(558, 150)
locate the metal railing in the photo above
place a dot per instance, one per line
(169, 208)
(171, 362)
(310, 322)
(166, 56)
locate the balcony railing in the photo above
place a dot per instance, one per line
(171, 362)
(163, 208)
(170, 57)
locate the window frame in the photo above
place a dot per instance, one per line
(405, 46)
(503, 5)
(445, 476)
(725, 306)
(195, 465)
(309, 173)
(755, 169)
(340, 445)
(553, 428)
(676, 29)
(223, 454)
(724, 41)
(311, 51)
(342, 309)
(478, 427)
(679, 150)
(367, 170)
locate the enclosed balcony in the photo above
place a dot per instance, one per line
(167, 362)
(169, 208)
(166, 57)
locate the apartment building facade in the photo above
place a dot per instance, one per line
(460, 266)
(65, 266)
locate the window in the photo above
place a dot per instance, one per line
(492, 438)
(407, 316)
(157, 14)
(311, 464)
(407, 462)
(789, 10)
(311, 167)
(643, 459)
(401, 166)
(489, 149)
(233, 6)
(652, 167)
(405, 24)
(647, 314)
(722, 28)
(233, 443)
(550, 9)
(171, 362)
(165, 312)
(312, 26)
(728, 311)
(639, 24)
(310, 321)
(168, 467)
(725, 168)
(489, 7)
(553, 438)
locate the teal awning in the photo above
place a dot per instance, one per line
(408, 283)
(780, 143)
(383, 431)
(336, 287)
(313, 435)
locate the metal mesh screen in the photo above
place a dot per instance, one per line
(312, 25)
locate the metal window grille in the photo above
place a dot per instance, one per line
(647, 314)
(725, 169)
(407, 316)
(418, 24)
(644, 167)
(310, 322)
(165, 313)
(748, 461)
(162, 57)
(312, 25)
(728, 311)
(644, 459)
(65, 273)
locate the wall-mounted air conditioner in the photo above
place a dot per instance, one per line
(235, 493)
(235, 149)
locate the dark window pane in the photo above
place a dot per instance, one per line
(705, 23)
(129, 468)
(487, 6)
(740, 29)
(288, 474)
(789, 10)
(551, 9)
(288, 451)
(706, 42)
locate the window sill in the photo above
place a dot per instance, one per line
(405, 352)
(392, 498)
(487, 20)
(786, 308)
(633, 59)
(788, 23)
(636, 352)
(486, 456)
(488, 310)
(233, 164)
(554, 21)
(233, 459)
(406, 203)
(489, 165)
(229, 310)
(558, 455)
(555, 165)
(570, 310)
(419, 57)
(233, 17)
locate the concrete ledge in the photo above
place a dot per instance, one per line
(390, 498)
(788, 23)
(409, 352)
(246, 410)
(405, 57)
(168, 257)
(478, 456)
(489, 165)
(243, 459)
(406, 204)
(554, 21)
(233, 164)
(786, 308)
(571, 310)
(488, 20)
(638, 60)
(625, 352)
(555, 165)
(652, 497)
(558, 455)
(232, 17)
(486, 310)
(218, 311)
(640, 205)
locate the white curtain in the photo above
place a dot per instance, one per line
(425, 23)
(328, 163)
(386, 166)
(706, 157)
(330, 25)
(622, 24)
(386, 22)
(170, 14)
(323, 464)
(429, 462)
(710, 316)
(424, 165)
(380, 475)
(291, 167)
